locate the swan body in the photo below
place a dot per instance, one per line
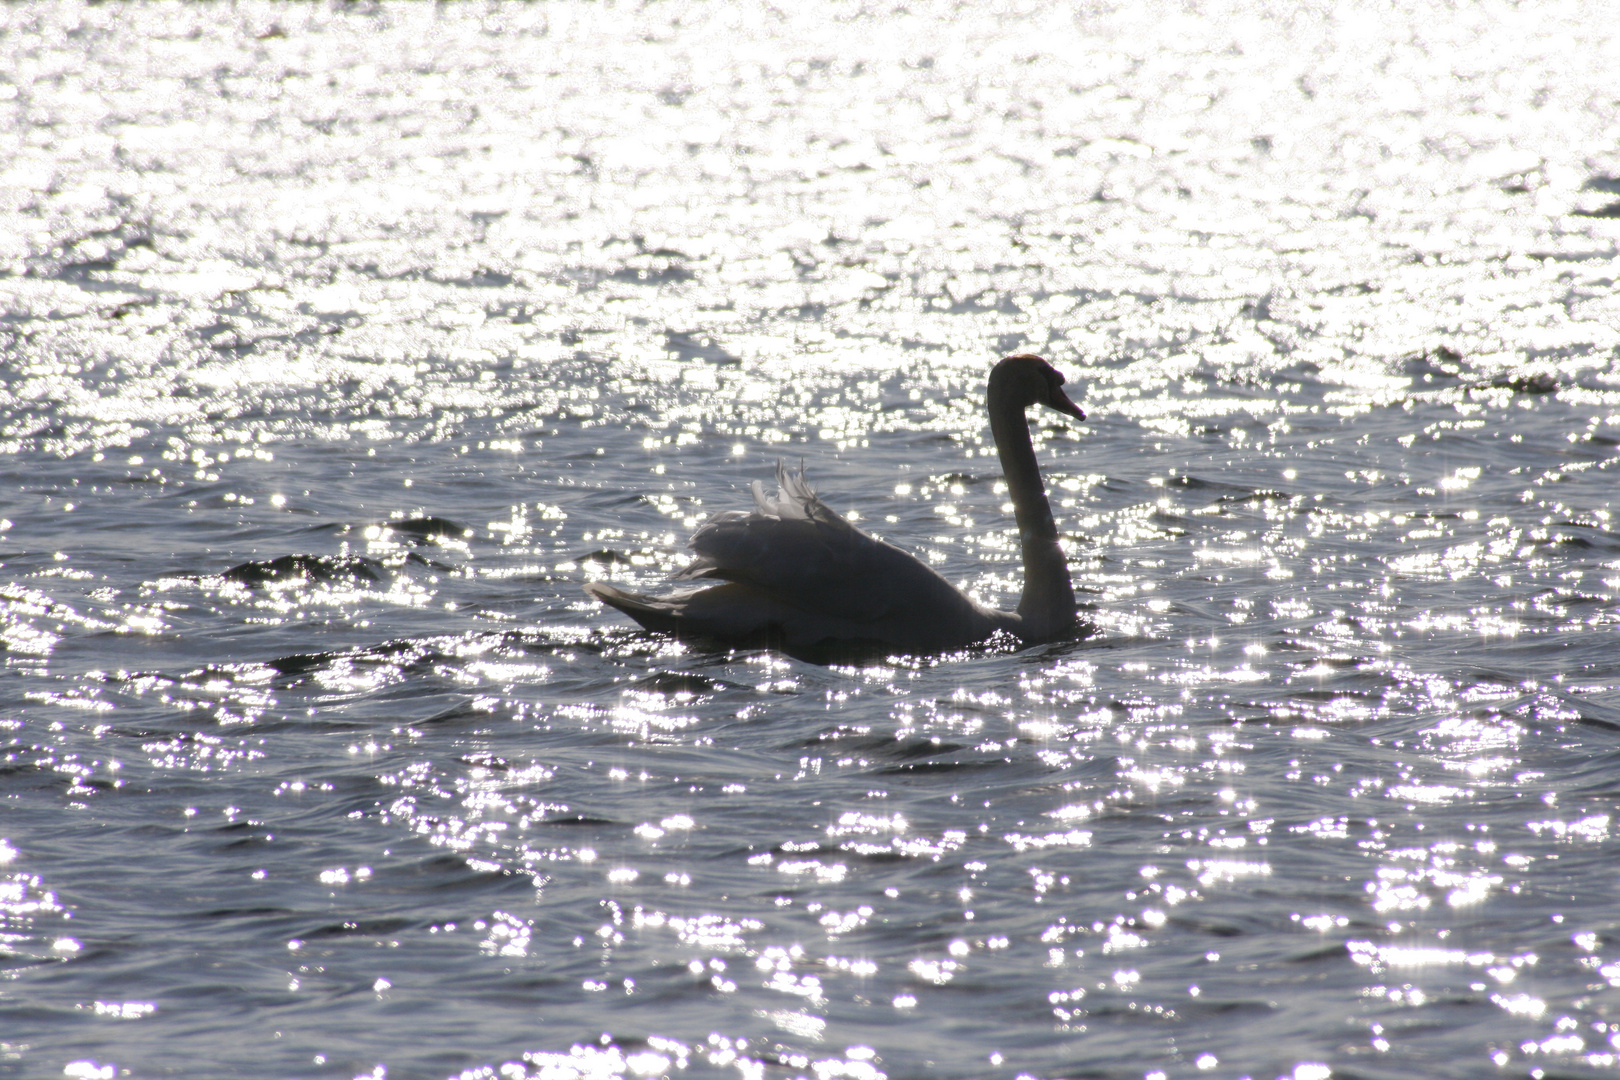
(794, 575)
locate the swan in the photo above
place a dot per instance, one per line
(799, 578)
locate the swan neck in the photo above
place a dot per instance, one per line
(1046, 607)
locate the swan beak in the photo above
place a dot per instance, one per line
(1060, 401)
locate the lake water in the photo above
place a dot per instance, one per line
(343, 343)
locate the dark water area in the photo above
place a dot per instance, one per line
(342, 345)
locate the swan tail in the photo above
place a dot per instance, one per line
(724, 611)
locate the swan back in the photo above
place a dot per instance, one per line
(798, 550)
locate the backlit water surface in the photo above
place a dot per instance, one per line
(341, 345)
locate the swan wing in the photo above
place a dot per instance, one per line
(796, 549)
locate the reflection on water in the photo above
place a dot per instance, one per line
(342, 345)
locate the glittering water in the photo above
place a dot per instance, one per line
(341, 345)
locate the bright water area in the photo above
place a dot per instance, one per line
(343, 343)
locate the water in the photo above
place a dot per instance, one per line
(341, 345)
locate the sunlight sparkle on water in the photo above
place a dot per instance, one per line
(344, 344)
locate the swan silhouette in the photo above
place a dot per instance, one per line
(799, 578)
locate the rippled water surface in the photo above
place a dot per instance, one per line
(341, 345)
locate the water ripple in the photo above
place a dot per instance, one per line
(340, 346)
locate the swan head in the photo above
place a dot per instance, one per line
(1029, 380)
